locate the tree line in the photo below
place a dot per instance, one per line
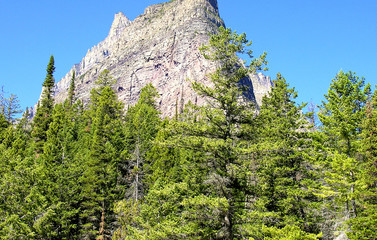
(223, 170)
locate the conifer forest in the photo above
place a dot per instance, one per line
(223, 170)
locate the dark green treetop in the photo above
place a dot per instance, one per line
(43, 116)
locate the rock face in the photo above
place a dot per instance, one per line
(158, 47)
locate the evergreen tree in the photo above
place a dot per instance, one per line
(17, 171)
(3, 125)
(43, 116)
(105, 152)
(210, 201)
(9, 107)
(60, 173)
(283, 170)
(219, 129)
(142, 122)
(341, 115)
(71, 91)
(364, 226)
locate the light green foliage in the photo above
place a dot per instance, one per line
(163, 200)
(341, 116)
(212, 205)
(287, 233)
(283, 176)
(364, 225)
(172, 210)
(142, 124)
(105, 79)
(127, 211)
(342, 112)
(224, 170)
(12, 227)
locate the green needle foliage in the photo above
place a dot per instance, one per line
(284, 171)
(364, 225)
(142, 124)
(71, 91)
(210, 201)
(342, 115)
(223, 170)
(105, 148)
(43, 115)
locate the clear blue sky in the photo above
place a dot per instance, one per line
(308, 41)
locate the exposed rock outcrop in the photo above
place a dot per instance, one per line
(158, 47)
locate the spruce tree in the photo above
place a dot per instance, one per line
(3, 125)
(283, 169)
(19, 205)
(104, 152)
(9, 107)
(364, 225)
(341, 115)
(71, 91)
(60, 173)
(142, 123)
(43, 116)
(210, 201)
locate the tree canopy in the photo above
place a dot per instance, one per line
(227, 169)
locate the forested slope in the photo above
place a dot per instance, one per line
(222, 170)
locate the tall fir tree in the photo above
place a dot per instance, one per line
(341, 115)
(3, 125)
(71, 91)
(105, 151)
(364, 225)
(284, 178)
(142, 123)
(43, 116)
(9, 107)
(59, 174)
(210, 201)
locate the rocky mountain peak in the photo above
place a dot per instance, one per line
(119, 23)
(161, 46)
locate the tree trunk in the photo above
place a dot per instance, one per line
(102, 224)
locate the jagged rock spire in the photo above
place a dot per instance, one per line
(119, 23)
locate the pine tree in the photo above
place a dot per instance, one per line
(220, 129)
(341, 115)
(3, 125)
(9, 107)
(364, 226)
(142, 122)
(210, 201)
(283, 169)
(43, 117)
(105, 152)
(71, 91)
(59, 174)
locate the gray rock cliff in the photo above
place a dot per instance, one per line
(158, 47)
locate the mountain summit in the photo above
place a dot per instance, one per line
(160, 47)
